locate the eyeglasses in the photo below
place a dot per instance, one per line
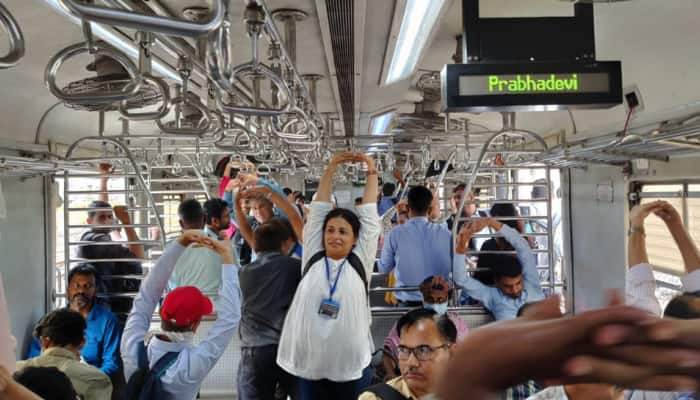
(422, 352)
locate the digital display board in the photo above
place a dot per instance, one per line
(530, 86)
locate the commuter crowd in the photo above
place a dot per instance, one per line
(292, 281)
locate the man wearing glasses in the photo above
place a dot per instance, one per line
(426, 339)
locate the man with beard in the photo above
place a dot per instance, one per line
(102, 336)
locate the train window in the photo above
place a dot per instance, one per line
(662, 250)
(74, 200)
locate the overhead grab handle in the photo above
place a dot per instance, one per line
(255, 21)
(62, 56)
(146, 41)
(148, 23)
(204, 126)
(16, 51)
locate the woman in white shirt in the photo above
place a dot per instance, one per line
(326, 341)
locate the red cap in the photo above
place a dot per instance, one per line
(185, 305)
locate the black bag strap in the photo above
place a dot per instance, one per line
(162, 365)
(385, 392)
(353, 259)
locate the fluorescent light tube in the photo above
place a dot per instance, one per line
(380, 123)
(418, 20)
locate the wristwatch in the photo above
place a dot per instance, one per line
(635, 229)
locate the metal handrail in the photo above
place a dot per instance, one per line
(132, 162)
(266, 71)
(199, 131)
(149, 23)
(71, 51)
(161, 112)
(16, 51)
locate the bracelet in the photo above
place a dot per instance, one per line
(371, 172)
(636, 229)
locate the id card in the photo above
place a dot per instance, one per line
(329, 308)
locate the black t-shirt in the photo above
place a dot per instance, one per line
(109, 271)
(245, 252)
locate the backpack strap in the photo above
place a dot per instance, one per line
(353, 260)
(160, 366)
(385, 392)
(142, 355)
(164, 363)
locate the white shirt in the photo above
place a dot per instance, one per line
(183, 379)
(640, 292)
(640, 287)
(316, 347)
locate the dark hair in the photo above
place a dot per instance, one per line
(539, 189)
(683, 307)
(506, 210)
(462, 187)
(419, 199)
(83, 269)
(49, 383)
(214, 208)
(270, 235)
(358, 200)
(506, 266)
(97, 204)
(445, 326)
(191, 213)
(349, 216)
(298, 195)
(63, 326)
(287, 191)
(168, 326)
(388, 189)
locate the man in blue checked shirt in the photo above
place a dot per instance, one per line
(517, 281)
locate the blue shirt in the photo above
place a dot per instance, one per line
(385, 204)
(501, 305)
(102, 337)
(418, 249)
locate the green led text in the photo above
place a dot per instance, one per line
(526, 84)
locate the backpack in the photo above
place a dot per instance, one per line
(386, 392)
(145, 383)
(352, 258)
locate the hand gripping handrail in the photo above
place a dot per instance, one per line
(16, 51)
(131, 161)
(71, 51)
(148, 23)
(205, 126)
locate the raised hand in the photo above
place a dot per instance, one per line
(668, 214)
(590, 347)
(122, 214)
(233, 184)
(221, 247)
(640, 212)
(344, 157)
(466, 232)
(247, 179)
(105, 168)
(191, 236)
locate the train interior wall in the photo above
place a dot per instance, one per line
(23, 255)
